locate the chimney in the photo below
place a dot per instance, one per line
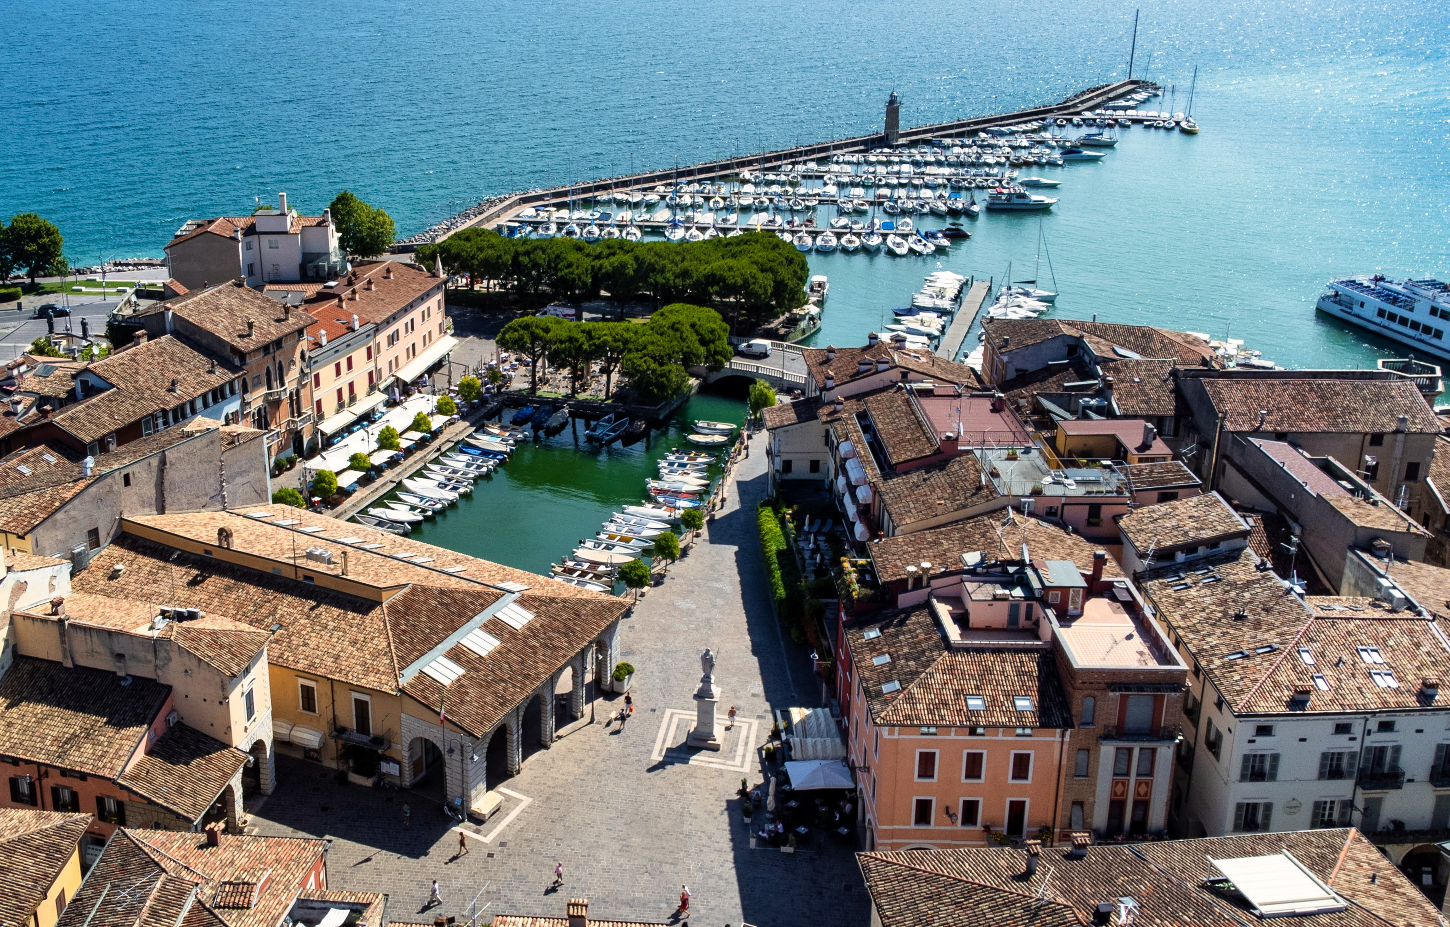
(175, 384)
(1402, 423)
(1100, 559)
(872, 338)
(999, 402)
(282, 202)
(949, 444)
(339, 300)
(830, 381)
(1103, 913)
(1034, 849)
(578, 912)
(881, 364)
(251, 327)
(911, 572)
(286, 310)
(369, 285)
(327, 215)
(138, 337)
(1430, 687)
(1150, 434)
(352, 294)
(344, 563)
(1006, 342)
(213, 835)
(354, 322)
(1081, 840)
(388, 275)
(1301, 695)
(88, 466)
(57, 606)
(322, 339)
(830, 352)
(840, 404)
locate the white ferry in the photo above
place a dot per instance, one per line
(1412, 312)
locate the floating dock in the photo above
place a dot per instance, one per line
(962, 322)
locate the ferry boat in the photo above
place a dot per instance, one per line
(1412, 312)
(1018, 199)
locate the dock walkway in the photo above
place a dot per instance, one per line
(962, 322)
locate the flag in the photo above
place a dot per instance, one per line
(442, 715)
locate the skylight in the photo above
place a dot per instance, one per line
(1320, 682)
(881, 659)
(1306, 655)
(479, 641)
(259, 515)
(976, 703)
(512, 587)
(1277, 886)
(47, 458)
(1022, 703)
(1384, 679)
(870, 634)
(1371, 655)
(890, 687)
(513, 616)
(444, 670)
(1236, 655)
(1267, 648)
(23, 469)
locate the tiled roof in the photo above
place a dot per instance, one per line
(1306, 405)
(79, 719)
(1197, 519)
(388, 294)
(1143, 388)
(18, 561)
(35, 846)
(141, 377)
(227, 310)
(1129, 433)
(519, 920)
(1427, 584)
(373, 904)
(184, 771)
(51, 377)
(1163, 475)
(1371, 511)
(221, 225)
(1246, 631)
(1436, 491)
(1167, 880)
(905, 433)
(227, 645)
(935, 681)
(794, 413)
(943, 547)
(936, 489)
(925, 364)
(154, 878)
(1146, 341)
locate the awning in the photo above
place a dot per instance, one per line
(841, 483)
(348, 479)
(856, 472)
(863, 495)
(846, 449)
(331, 426)
(380, 458)
(306, 737)
(413, 435)
(430, 356)
(863, 533)
(406, 443)
(281, 730)
(806, 775)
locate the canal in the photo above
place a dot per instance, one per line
(533, 511)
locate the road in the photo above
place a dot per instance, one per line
(18, 328)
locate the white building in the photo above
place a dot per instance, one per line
(269, 246)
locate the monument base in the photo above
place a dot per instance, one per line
(704, 740)
(706, 735)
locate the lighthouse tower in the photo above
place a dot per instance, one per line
(893, 119)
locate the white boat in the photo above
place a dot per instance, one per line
(675, 232)
(1018, 200)
(605, 557)
(919, 245)
(826, 242)
(1095, 140)
(422, 501)
(582, 583)
(430, 490)
(654, 512)
(481, 466)
(411, 509)
(1411, 312)
(393, 514)
(1038, 182)
(638, 522)
(707, 440)
(614, 527)
(802, 242)
(571, 231)
(690, 456)
(872, 241)
(444, 474)
(624, 540)
(1079, 154)
(632, 233)
(714, 428)
(590, 233)
(896, 246)
(678, 484)
(382, 524)
(593, 545)
(850, 243)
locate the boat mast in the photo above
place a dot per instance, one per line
(1133, 51)
(1188, 111)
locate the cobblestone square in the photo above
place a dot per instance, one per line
(631, 814)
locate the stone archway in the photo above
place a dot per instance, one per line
(261, 773)
(1426, 867)
(496, 756)
(537, 713)
(423, 769)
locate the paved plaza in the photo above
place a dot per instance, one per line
(631, 815)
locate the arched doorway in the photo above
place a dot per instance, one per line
(257, 775)
(563, 697)
(496, 759)
(425, 767)
(268, 373)
(532, 741)
(1425, 867)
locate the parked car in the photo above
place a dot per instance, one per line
(51, 309)
(757, 348)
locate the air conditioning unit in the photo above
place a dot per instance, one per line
(319, 555)
(172, 718)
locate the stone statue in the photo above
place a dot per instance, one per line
(706, 734)
(707, 663)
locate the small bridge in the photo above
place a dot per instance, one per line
(784, 369)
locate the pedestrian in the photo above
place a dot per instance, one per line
(730, 718)
(433, 896)
(558, 874)
(462, 843)
(629, 702)
(407, 814)
(684, 901)
(623, 717)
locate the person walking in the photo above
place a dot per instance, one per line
(407, 814)
(684, 910)
(623, 717)
(433, 896)
(730, 718)
(629, 703)
(462, 843)
(558, 874)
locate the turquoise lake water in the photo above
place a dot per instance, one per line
(1323, 150)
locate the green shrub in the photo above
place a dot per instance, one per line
(667, 545)
(359, 462)
(9, 294)
(289, 496)
(389, 439)
(469, 389)
(623, 670)
(786, 592)
(422, 423)
(446, 405)
(692, 519)
(324, 484)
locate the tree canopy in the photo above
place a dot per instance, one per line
(42, 347)
(634, 575)
(469, 389)
(530, 336)
(389, 439)
(762, 397)
(754, 275)
(365, 230)
(422, 423)
(324, 484)
(444, 406)
(359, 462)
(31, 244)
(287, 495)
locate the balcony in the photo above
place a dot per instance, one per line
(379, 742)
(1167, 733)
(1440, 778)
(1382, 780)
(276, 395)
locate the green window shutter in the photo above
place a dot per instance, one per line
(1266, 813)
(1273, 767)
(1324, 765)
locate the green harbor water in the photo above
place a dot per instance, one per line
(533, 510)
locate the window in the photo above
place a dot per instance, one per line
(976, 703)
(1080, 771)
(1377, 440)
(1343, 727)
(1021, 767)
(1168, 495)
(928, 732)
(974, 766)
(362, 714)
(921, 811)
(1383, 760)
(1138, 714)
(1253, 816)
(64, 798)
(272, 244)
(249, 702)
(370, 352)
(1077, 816)
(1412, 471)
(1337, 764)
(125, 479)
(307, 696)
(1147, 756)
(93, 539)
(785, 465)
(815, 466)
(1021, 703)
(1385, 680)
(1089, 709)
(971, 814)
(60, 903)
(1385, 727)
(349, 363)
(1440, 768)
(1017, 817)
(249, 248)
(1371, 655)
(111, 810)
(1122, 761)
(1330, 814)
(1259, 767)
(925, 765)
(1024, 732)
(1306, 656)
(22, 790)
(1263, 730)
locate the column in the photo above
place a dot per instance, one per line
(232, 801)
(576, 697)
(545, 694)
(267, 769)
(515, 742)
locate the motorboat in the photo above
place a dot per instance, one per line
(442, 473)
(1095, 140)
(1038, 182)
(597, 572)
(972, 208)
(707, 440)
(490, 443)
(919, 245)
(605, 557)
(681, 466)
(498, 431)
(680, 484)
(557, 421)
(689, 456)
(1078, 154)
(613, 431)
(638, 522)
(652, 512)
(389, 514)
(462, 486)
(522, 415)
(597, 431)
(430, 490)
(614, 527)
(596, 546)
(705, 426)
(676, 502)
(392, 527)
(497, 455)
(826, 242)
(624, 540)
(479, 465)
(896, 246)
(589, 584)
(938, 239)
(541, 415)
(418, 500)
(406, 509)
(1018, 200)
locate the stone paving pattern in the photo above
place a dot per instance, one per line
(628, 829)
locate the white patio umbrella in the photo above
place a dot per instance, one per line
(770, 799)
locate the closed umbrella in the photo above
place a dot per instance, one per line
(862, 533)
(770, 798)
(841, 483)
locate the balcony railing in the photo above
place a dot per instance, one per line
(276, 395)
(1378, 780)
(1440, 778)
(379, 742)
(1113, 732)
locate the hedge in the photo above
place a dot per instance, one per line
(786, 592)
(9, 293)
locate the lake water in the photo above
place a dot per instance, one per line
(1323, 150)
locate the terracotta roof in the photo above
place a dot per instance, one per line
(1435, 494)
(151, 878)
(184, 771)
(226, 225)
(1168, 881)
(228, 310)
(936, 489)
(1143, 388)
(35, 847)
(1307, 405)
(50, 377)
(935, 681)
(1146, 341)
(943, 547)
(18, 561)
(388, 294)
(373, 904)
(1427, 584)
(141, 377)
(793, 413)
(79, 719)
(519, 920)
(925, 364)
(1165, 474)
(1246, 630)
(1200, 519)
(1373, 511)
(903, 430)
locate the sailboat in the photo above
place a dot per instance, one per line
(1028, 288)
(1188, 126)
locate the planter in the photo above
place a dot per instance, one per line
(368, 781)
(622, 685)
(787, 849)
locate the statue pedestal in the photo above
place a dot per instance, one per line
(706, 735)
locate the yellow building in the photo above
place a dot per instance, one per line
(40, 864)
